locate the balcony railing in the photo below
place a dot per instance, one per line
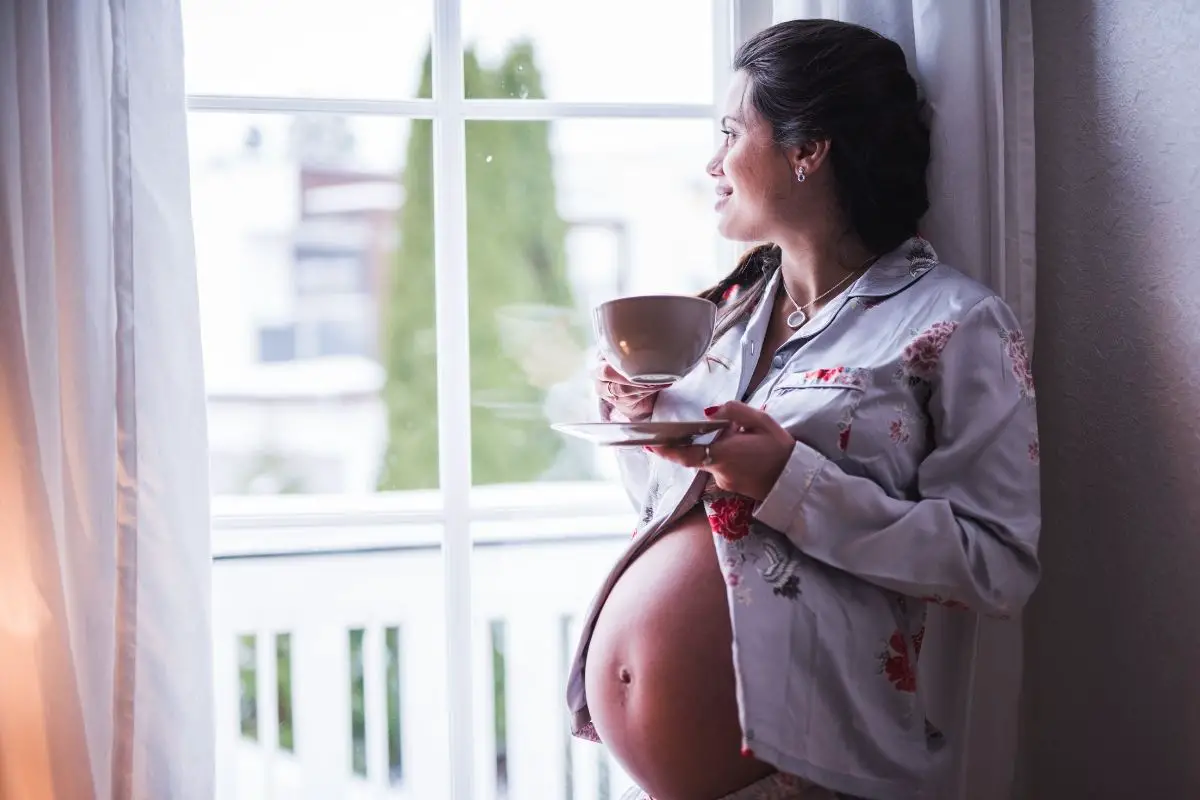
(329, 644)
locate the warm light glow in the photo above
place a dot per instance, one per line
(23, 612)
(25, 763)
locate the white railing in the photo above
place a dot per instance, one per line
(315, 570)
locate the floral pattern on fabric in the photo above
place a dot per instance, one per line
(773, 555)
(1018, 357)
(920, 359)
(846, 377)
(1035, 452)
(780, 565)
(920, 256)
(588, 731)
(897, 665)
(851, 377)
(729, 515)
(900, 429)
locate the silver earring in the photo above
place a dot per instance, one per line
(800, 176)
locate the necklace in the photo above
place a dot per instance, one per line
(800, 316)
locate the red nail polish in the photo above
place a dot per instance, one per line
(747, 752)
(708, 412)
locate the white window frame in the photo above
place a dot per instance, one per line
(456, 506)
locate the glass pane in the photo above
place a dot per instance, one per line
(248, 685)
(315, 264)
(524, 639)
(395, 709)
(358, 705)
(621, 51)
(283, 691)
(363, 49)
(374, 700)
(561, 216)
(499, 673)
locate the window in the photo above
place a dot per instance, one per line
(395, 704)
(358, 705)
(283, 691)
(247, 651)
(404, 212)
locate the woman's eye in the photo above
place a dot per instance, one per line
(728, 133)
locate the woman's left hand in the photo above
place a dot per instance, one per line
(747, 458)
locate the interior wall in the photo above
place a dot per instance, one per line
(1112, 685)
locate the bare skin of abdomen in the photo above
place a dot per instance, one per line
(659, 671)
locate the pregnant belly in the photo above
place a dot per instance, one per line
(659, 671)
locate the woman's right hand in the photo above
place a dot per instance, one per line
(633, 402)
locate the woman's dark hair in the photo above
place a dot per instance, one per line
(814, 79)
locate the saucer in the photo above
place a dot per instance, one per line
(640, 434)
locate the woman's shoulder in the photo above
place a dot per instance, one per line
(949, 293)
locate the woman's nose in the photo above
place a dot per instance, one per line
(714, 166)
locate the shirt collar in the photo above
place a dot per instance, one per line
(891, 273)
(895, 270)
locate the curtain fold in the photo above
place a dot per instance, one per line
(105, 664)
(974, 62)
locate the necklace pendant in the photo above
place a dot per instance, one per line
(796, 319)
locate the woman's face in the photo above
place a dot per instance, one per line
(756, 184)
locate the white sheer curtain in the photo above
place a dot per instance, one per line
(105, 670)
(974, 61)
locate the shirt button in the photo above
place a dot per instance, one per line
(777, 362)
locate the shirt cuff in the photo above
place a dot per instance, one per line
(781, 507)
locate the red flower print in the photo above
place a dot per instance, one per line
(1035, 452)
(941, 601)
(920, 359)
(730, 516)
(827, 375)
(895, 663)
(898, 430)
(843, 437)
(1018, 356)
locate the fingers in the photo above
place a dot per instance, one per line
(745, 417)
(690, 456)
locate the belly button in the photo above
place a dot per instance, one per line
(624, 675)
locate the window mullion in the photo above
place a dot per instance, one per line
(453, 382)
(252, 104)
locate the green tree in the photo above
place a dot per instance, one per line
(517, 271)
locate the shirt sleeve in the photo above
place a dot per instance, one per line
(971, 536)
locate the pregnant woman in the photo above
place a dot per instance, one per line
(762, 635)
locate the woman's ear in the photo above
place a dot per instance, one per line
(808, 158)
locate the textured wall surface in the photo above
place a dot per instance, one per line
(1112, 687)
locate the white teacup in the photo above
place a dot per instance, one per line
(655, 339)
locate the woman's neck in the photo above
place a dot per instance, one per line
(813, 266)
